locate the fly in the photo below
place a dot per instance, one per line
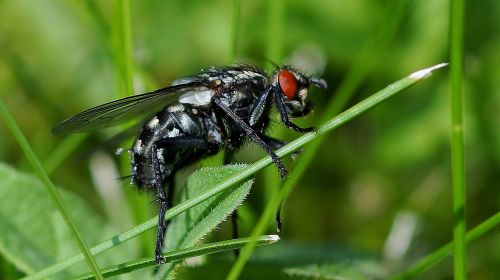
(197, 116)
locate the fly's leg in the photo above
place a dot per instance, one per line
(234, 220)
(276, 144)
(159, 242)
(162, 200)
(260, 107)
(165, 200)
(252, 134)
(280, 106)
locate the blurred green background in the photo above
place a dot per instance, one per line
(379, 189)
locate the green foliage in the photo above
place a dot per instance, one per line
(33, 234)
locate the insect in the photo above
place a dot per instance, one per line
(197, 116)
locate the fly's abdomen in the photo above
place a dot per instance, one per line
(173, 131)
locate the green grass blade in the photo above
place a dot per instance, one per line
(457, 139)
(121, 35)
(177, 255)
(445, 250)
(339, 120)
(332, 124)
(51, 189)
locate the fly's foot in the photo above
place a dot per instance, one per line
(159, 259)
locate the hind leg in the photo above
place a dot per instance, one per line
(164, 200)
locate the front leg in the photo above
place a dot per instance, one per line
(277, 144)
(280, 106)
(260, 107)
(252, 134)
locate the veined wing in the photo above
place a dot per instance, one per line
(119, 111)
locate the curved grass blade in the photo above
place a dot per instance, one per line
(298, 143)
(181, 254)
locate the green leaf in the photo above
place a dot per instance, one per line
(33, 234)
(188, 228)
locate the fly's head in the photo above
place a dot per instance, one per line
(294, 86)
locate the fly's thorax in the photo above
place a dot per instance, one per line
(197, 97)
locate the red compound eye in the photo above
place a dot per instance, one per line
(288, 83)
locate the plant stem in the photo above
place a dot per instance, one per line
(457, 140)
(122, 50)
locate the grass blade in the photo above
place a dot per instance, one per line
(330, 125)
(51, 189)
(457, 139)
(339, 120)
(121, 35)
(177, 255)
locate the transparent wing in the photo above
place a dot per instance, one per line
(119, 111)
